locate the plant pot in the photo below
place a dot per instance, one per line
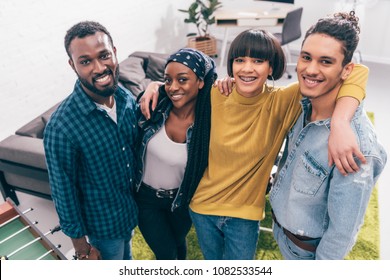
(205, 44)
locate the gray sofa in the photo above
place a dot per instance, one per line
(22, 157)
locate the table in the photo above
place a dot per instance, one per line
(20, 239)
(256, 17)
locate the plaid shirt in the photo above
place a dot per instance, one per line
(91, 163)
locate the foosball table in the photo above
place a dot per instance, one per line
(20, 239)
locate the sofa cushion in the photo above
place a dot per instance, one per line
(155, 68)
(132, 74)
(139, 69)
(36, 127)
(23, 150)
(131, 70)
(32, 129)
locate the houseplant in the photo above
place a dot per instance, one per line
(201, 13)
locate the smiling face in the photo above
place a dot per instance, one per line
(93, 58)
(320, 71)
(181, 85)
(250, 74)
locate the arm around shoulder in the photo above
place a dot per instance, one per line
(355, 85)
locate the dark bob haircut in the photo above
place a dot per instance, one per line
(258, 44)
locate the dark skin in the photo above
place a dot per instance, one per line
(93, 58)
(182, 87)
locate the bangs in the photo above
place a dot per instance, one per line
(258, 44)
(253, 44)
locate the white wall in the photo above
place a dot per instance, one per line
(34, 69)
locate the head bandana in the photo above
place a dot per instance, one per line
(197, 61)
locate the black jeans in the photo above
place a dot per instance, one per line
(163, 230)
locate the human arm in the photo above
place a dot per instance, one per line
(61, 162)
(342, 145)
(150, 95)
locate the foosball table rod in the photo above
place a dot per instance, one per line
(16, 233)
(16, 217)
(48, 252)
(57, 228)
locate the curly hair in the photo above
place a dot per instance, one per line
(83, 29)
(342, 26)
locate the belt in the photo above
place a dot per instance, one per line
(298, 240)
(161, 193)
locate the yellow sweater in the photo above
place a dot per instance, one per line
(246, 136)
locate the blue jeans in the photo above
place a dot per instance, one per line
(113, 249)
(226, 238)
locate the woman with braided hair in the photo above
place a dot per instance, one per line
(173, 152)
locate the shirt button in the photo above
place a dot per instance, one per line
(131, 180)
(123, 148)
(128, 165)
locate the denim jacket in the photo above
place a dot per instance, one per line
(148, 130)
(313, 199)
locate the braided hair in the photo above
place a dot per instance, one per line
(198, 150)
(199, 146)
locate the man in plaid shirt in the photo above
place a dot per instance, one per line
(89, 145)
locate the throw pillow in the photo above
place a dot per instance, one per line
(131, 70)
(155, 68)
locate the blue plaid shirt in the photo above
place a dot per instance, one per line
(91, 163)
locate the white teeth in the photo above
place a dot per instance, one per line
(247, 79)
(311, 81)
(176, 96)
(102, 79)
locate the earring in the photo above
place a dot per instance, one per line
(270, 77)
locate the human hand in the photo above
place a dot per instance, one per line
(150, 95)
(342, 146)
(94, 254)
(225, 85)
(84, 250)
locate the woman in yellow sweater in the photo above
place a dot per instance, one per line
(247, 131)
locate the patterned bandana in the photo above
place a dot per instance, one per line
(197, 61)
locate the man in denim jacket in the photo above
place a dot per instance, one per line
(317, 211)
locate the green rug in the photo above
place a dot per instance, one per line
(366, 247)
